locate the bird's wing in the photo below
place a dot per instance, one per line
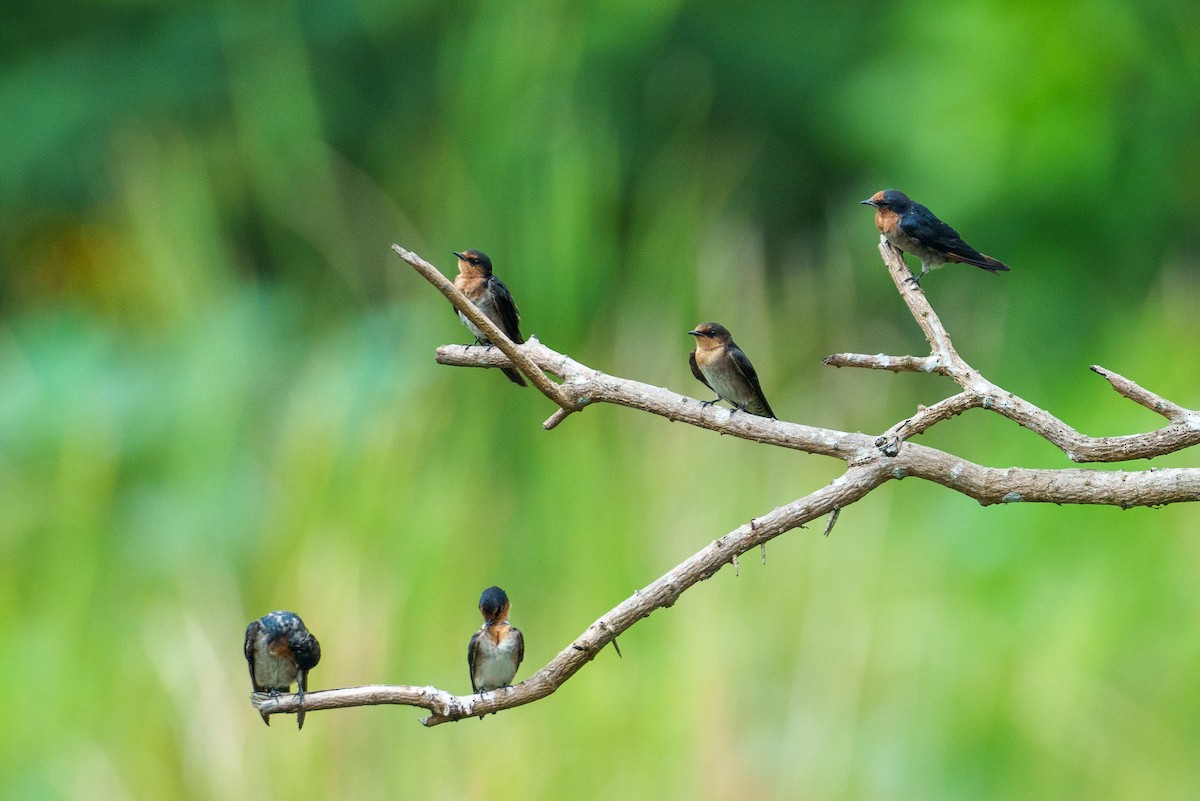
(747, 370)
(696, 370)
(472, 648)
(520, 644)
(936, 235)
(251, 635)
(506, 307)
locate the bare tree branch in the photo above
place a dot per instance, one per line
(1183, 432)
(870, 462)
(662, 593)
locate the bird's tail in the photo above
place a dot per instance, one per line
(993, 266)
(515, 376)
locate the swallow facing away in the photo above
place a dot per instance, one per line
(719, 364)
(281, 651)
(475, 280)
(915, 229)
(497, 648)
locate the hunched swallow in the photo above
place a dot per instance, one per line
(719, 364)
(475, 280)
(281, 651)
(496, 650)
(915, 229)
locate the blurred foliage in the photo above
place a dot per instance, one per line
(219, 396)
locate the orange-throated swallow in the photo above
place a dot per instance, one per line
(281, 651)
(719, 364)
(915, 229)
(496, 650)
(475, 280)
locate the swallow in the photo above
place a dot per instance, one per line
(719, 364)
(281, 651)
(496, 650)
(915, 229)
(475, 280)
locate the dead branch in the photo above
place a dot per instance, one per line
(870, 462)
(978, 392)
(660, 594)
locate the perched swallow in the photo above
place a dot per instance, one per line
(475, 280)
(915, 229)
(281, 651)
(719, 364)
(497, 648)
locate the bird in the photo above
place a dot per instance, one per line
(475, 280)
(281, 651)
(719, 364)
(496, 650)
(915, 229)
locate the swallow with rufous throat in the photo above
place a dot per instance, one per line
(475, 280)
(719, 364)
(496, 650)
(915, 229)
(281, 651)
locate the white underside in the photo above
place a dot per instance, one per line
(720, 384)
(270, 670)
(495, 665)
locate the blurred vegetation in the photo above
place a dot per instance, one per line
(218, 393)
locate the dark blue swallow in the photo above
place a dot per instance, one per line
(475, 280)
(719, 364)
(281, 651)
(915, 229)
(496, 650)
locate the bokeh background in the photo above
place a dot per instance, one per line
(218, 394)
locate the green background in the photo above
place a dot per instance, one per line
(218, 394)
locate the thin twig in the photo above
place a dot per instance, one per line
(881, 361)
(1146, 398)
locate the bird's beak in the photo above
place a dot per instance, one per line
(694, 333)
(460, 256)
(867, 202)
